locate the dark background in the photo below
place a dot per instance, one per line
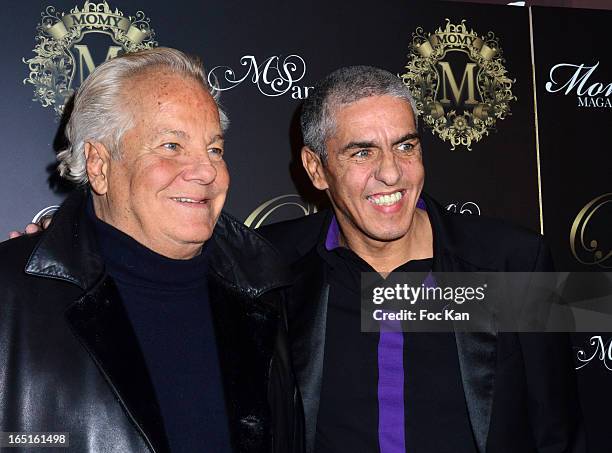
(264, 138)
(576, 168)
(499, 175)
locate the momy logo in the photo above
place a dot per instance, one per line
(459, 81)
(69, 45)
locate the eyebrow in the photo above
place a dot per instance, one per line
(185, 135)
(175, 132)
(216, 138)
(405, 138)
(355, 145)
(371, 144)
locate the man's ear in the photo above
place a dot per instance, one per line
(97, 159)
(314, 167)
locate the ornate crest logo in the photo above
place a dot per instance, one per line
(461, 113)
(63, 58)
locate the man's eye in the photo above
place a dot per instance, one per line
(406, 147)
(215, 153)
(171, 146)
(361, 154)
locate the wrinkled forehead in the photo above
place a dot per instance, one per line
(161, 93)
(158, 85)
(173, 108)
(372, 115)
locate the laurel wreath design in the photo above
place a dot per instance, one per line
(51, 70)
(495, 87)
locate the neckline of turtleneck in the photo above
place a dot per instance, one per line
(130, 262)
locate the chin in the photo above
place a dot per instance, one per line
(388, 233)
(384, 235)
(388, 237)
(195, 236)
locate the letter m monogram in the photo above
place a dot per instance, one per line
(448, 79)
(85, 63)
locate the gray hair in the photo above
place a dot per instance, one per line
(98, 113)
(341, 87)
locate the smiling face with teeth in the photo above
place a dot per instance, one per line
(374, 172)
(169, 186)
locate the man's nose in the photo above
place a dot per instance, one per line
(388, 171)
(200, 169)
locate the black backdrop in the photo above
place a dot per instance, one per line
(577, 172)
(542, 180)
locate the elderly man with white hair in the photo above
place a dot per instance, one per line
(137, 322)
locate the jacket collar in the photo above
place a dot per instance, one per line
(245, 260)
(67, 251)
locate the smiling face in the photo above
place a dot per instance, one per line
(169, 186)
(374, 172)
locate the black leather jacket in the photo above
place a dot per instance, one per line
(69, 360)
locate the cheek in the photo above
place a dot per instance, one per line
(355, 182)
(414, 171)
(154, 177)
(421, 174)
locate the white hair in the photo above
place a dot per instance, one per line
(99, 114)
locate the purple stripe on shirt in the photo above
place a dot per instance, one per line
(391, 424)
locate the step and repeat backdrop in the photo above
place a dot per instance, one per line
(516, 110)
(573, 70)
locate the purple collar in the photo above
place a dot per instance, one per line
(332, 240)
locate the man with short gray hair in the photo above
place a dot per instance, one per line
(394, 392)
(136, 322)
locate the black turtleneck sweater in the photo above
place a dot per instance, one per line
(167, 303)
